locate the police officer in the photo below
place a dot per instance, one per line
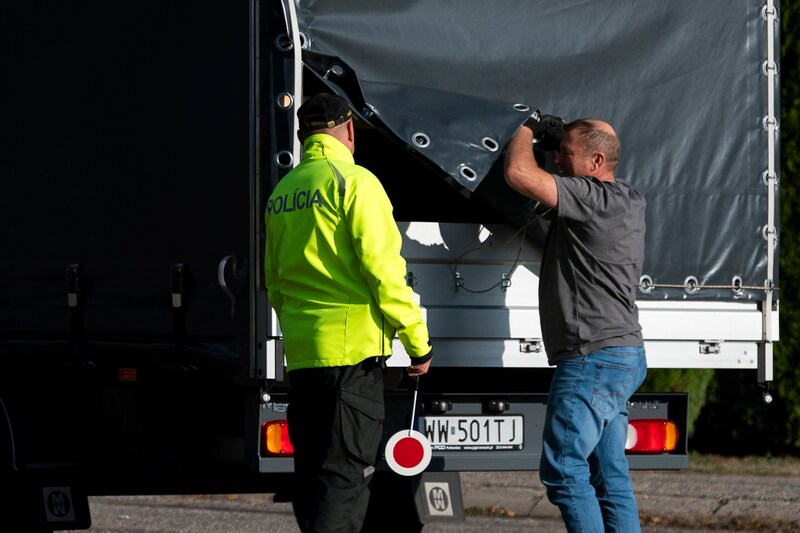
(336, 279)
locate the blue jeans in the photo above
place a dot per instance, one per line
(583, 466)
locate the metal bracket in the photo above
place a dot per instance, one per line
(411, 279)
(765, 363)
(73, 284)
(177, 285)
(770, 14)
(238, 270)
(710, 347)
(459, 281)
(530, 346)
(505, 282)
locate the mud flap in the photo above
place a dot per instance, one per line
(437, 497)
(45, 502)
(406, 504)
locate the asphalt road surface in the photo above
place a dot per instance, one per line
(669, 502)
(250, 514)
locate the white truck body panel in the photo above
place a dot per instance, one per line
(494, 328)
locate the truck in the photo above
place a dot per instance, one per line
(138, 350)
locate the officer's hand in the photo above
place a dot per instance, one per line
(418, 370)
(547, 130)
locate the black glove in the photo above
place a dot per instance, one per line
(547, 130)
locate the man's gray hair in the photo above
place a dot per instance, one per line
(594, 135)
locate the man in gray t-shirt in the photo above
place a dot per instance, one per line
(591, 266)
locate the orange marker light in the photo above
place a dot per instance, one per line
(275, 439)
(651, 436)
(129, 375)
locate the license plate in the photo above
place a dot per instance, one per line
(473, 433)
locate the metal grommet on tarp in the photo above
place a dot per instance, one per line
(691, 285)
(490, 144)
(768, 176)
(737, 285)
(283, 42)
(421, 140)
(284, 159)
(769, 11)
(284, 100)
(769, 231)
(646, 284)
(467, 172)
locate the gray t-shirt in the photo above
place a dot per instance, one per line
(591, 268)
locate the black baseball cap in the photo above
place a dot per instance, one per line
(323, 111)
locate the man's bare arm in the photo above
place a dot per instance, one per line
(524, 175)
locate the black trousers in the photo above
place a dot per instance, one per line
(335, 425)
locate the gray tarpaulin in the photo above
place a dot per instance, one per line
(680, 80)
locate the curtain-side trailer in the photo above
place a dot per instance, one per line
(138, 350)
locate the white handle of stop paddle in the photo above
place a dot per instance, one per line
(414, 405)
(408, 453)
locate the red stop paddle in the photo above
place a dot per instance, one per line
(408, 452)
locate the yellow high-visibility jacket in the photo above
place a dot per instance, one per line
(333, 267)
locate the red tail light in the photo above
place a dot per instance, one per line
(651, 436)
(275, 439)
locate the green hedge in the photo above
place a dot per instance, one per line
(787, 362)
